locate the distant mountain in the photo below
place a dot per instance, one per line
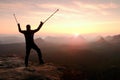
(117, 37)
(56, 40)
(39, 40)
(109, 38)
(15, 39)
(100, 41)
(114, 39)
(106, 45)
(66, 40)
(101, 45)
(78, 40)
(11, 39)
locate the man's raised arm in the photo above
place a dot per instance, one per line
(19, 28)
(41, 23)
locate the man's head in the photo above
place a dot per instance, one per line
(28, 27)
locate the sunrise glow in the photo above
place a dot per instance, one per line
(81, 17)
(76, 35)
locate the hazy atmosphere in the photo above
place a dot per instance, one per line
(79, 41)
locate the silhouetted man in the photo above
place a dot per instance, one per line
(29, 35)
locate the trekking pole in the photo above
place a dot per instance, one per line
(15, 18)
(51, 15)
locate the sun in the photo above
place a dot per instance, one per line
(76, 35)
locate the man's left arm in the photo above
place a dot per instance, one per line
(41, 23)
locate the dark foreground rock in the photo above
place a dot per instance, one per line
(11, 62)
(12, 68)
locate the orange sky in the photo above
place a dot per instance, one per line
(74, 16)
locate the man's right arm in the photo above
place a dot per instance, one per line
(19, 28)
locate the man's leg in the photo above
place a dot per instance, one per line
(27, 56)
(39, 54)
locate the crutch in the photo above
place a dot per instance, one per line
(51, 15)
(15, 18)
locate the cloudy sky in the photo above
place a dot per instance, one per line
(73, 17)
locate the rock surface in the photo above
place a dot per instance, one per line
(12, 68)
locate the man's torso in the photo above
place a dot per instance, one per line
(29, 37)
